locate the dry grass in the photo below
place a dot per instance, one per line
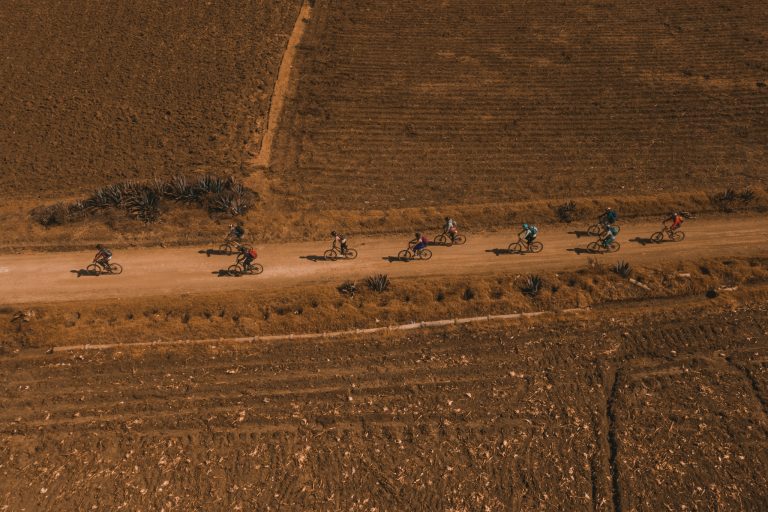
(271, 222)
(323, 308)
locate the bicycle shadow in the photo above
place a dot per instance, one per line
(579, 233)
(581, 250)
(499, 252)
(392, 259)
(222, 272)
(313, 257)
(84, 272)
(214, 252)
(643, 241)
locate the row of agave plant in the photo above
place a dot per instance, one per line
(141, 200)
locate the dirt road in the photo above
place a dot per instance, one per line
(29, 278)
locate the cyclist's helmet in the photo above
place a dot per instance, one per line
(525, 226)
(418, 235)
(99, 246)
(447, 218)
(333, 233)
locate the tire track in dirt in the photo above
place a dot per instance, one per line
(613, 441)
(283, 85)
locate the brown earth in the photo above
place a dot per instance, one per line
(649, 407)
(92, 92)
(29, 278)
(404, 104)
(654, 398)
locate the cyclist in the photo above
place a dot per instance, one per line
(248, 255)
(236, 232)
(420, 242)
(529, 233)
(103, 256)
(610, 236)
(676, 220)
(609, 217)
(340, 239)
(450, 228)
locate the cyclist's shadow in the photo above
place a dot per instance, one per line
(499, 252)
(83, 272)
(313, 257)
(579, 233)
(642, 241)
(392, 259)
(580, 250)
(214, 252)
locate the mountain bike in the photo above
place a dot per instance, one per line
(98, 268)
(238, 269)
(601, 229)
(334, 254)
(408, 254)
(674, 235)
(522, 246)
(230, 245)
(600, 247)
(445, 239)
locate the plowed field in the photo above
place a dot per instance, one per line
(96, 92)
(650, 413)
(405, 103)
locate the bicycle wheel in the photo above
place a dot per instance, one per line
(516, 247)
(614, 246)
(225, 249)
(93, 269)
(351, 254)
(329, 255)
(536, 247)
(594, 247)
(459, 240)
(234, 270)
(425, 254)
(404, 255)
(657, 237)
(257, 268)
(115, 268)
(442, 239)
(678, 236)
(594, 230)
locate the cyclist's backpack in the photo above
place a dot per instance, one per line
(534, 230)
(107, 253)
(614, 230)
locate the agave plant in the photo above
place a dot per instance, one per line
(378, 282)
(533, 285)
(179, 189)
(348, 288)
(566, 212)
(143, 204)
(212, 184)
(623, 268)
(747, 195)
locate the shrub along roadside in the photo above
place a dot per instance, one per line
(142, 200)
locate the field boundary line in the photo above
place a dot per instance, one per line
(322, 335)
(282, 86)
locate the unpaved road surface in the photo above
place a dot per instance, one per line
(29, 278)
